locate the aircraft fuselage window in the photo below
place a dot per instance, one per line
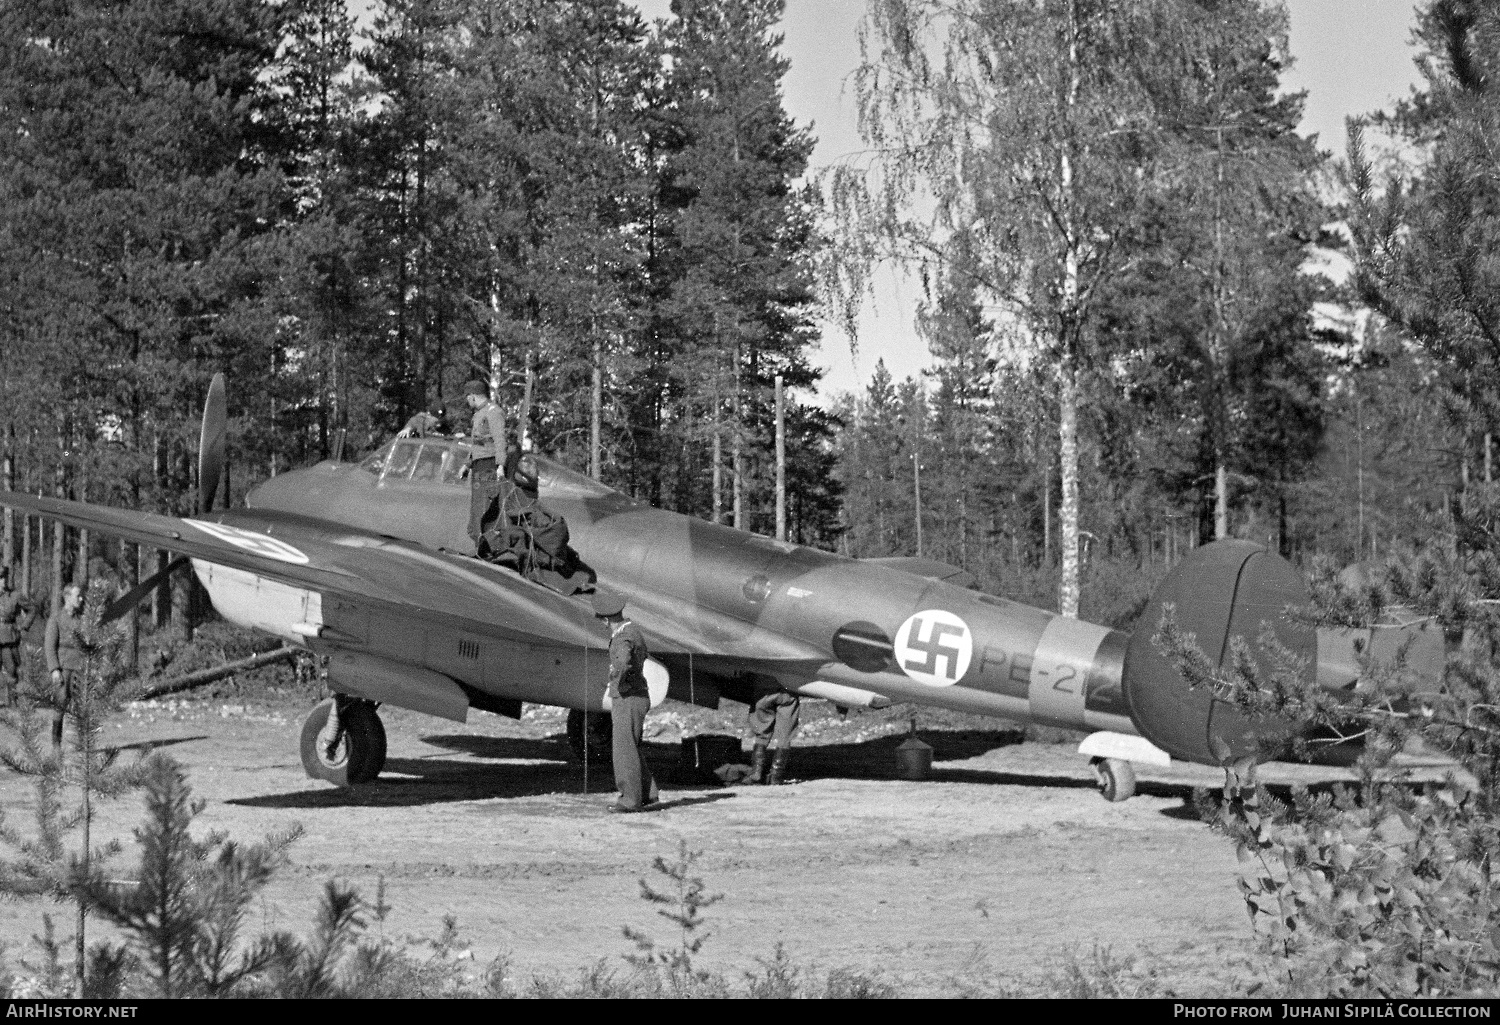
(403, 457)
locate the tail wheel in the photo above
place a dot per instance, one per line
(343, 741)
(598, 727)
(1115, 777)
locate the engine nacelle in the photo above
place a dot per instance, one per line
(1223, 590)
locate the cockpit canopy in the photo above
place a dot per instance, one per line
(436, 461)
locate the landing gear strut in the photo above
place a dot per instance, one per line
(599, 729)
(1115, 777)
(343, 741)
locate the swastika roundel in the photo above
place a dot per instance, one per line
(250, 541)
(934, 647)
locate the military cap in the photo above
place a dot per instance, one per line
(477, 388)
(608, 603)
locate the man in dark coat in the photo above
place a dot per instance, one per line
(15, 617)
(629, 702)
(65, 658)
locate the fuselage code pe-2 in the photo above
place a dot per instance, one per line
(370, 564)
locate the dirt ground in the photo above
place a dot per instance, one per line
(979, 878)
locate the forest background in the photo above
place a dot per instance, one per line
(614, 222)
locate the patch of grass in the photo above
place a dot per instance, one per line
(1101, 974)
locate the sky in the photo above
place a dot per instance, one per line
(1351, 57)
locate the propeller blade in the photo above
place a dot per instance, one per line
(133, 597)
(211, 444)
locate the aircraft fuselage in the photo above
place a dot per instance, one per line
(722, 605)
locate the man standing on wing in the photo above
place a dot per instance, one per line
(629, 702)
(488, 435)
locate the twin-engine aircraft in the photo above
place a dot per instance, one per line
(370, 564)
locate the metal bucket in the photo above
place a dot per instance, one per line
(913, 759)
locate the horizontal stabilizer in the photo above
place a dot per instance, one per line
(929, 568)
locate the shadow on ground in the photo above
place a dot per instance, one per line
(508, 768)
(554, 748)
(145, 747)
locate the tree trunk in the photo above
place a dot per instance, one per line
(596, 409)
(1221, 497)
(130, 561)
(916, 484)
(737, 454)
(1067, 426)
(523, 428)
(9, 485)
(26, 556)
(718, 467)
(781, 467)
(1068, 589)
(59, 539)
(182, 604)
(161, 600)
(81, 564)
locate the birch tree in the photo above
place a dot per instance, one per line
(1017, 133)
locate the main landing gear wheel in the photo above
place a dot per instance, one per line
(344, 748)
(1115, 777)
(600, 734)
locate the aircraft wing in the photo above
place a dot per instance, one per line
(338, 562)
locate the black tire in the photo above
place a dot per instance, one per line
(600, 734)
(1115, 777)
(356, 755)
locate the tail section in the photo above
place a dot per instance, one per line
(1223, 590)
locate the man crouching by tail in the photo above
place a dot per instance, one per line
(630, 700)
(773, 716)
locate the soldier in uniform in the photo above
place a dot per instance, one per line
(15, 617)
(425, 423)
(64, 655)
(773, 716)
(488, 433)
(629, 703)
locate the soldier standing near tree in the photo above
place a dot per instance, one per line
(15, 617)
(630, 700)
(488, 434)
(64, 656)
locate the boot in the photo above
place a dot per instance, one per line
(778, 766)
(757, 765)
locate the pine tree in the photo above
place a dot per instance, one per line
(1233, 220)
(43, 865)
(733, 285)
(1427, 241)
(184, 914)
